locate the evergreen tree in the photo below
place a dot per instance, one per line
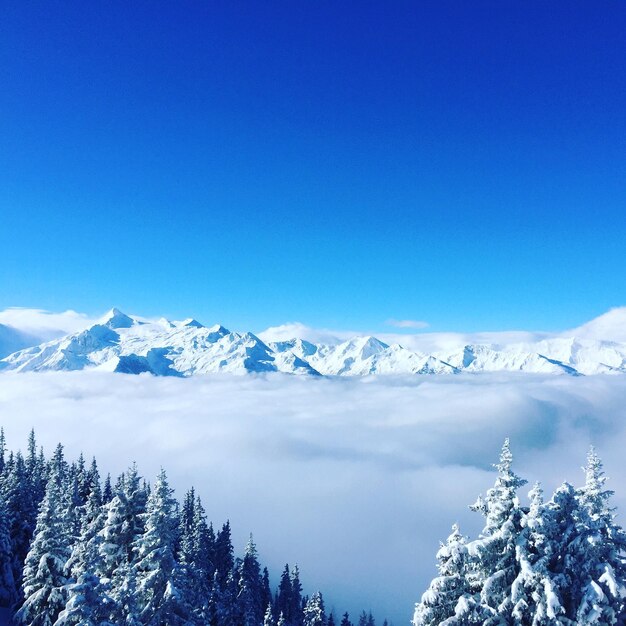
(597, 552)
(44, 571)
(495, 550)
(345, 620)
(249, 596)
(266, 593)
(197, 546)
(3, 449)
(283, 597)
(8, 591)
(224, 561)
(21, 514)
(160, 580)
(224, 600)
(123, 525)
(107, 490)
(439, 602)
(534, 594)
(296, 610)
(88, 600)
(314, 614)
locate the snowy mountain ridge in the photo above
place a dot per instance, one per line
(130, 344)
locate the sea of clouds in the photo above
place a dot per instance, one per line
(356, 480)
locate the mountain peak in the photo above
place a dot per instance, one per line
(116, 319)
(192, 323)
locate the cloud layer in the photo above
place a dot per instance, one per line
(357, 480)
(44, 324)
(415, 324)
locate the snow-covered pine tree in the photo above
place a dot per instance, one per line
(494, 552)
(296, 609)
(3, 450)
(597, 552)
(8, 591)
(534, 593)
(314, 613)
(196, 556)
(123, 525)
(439, 602)
(250, 590)
(283, 603)
(88, 599)
(44, 579)
(224, 561)
(223, 609)
(21, 513)
(266, 592)
(107, 490)
(160, 579)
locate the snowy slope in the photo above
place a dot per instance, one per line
(134, 345)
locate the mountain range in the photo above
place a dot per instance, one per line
(134, 345)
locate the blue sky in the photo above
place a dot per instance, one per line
(336, 163)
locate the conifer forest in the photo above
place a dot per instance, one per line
(81, 551)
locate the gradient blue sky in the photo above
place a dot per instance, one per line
(336, 163)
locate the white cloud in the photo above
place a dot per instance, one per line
(297, 330)
(357, 480)
(44, 324)
(609, 326)
(407, 323)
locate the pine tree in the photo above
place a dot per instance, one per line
(283, 597)
(534, 594)
(439, 602)
(495, 550)
(345, 620)
(123, 525)
(314, 613)
(296, 610)
(159, 577)
(249, 596)
(3, 449)
(88, 600)
(107, 490)
(44, 571)
(197, 547)
(598, 551)
(8, 591)
(21, 514)
(224, 600)
(224, 561)
(266, 593)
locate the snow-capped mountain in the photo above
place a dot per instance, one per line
(134, 345)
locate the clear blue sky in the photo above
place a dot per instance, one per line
(336, 163)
